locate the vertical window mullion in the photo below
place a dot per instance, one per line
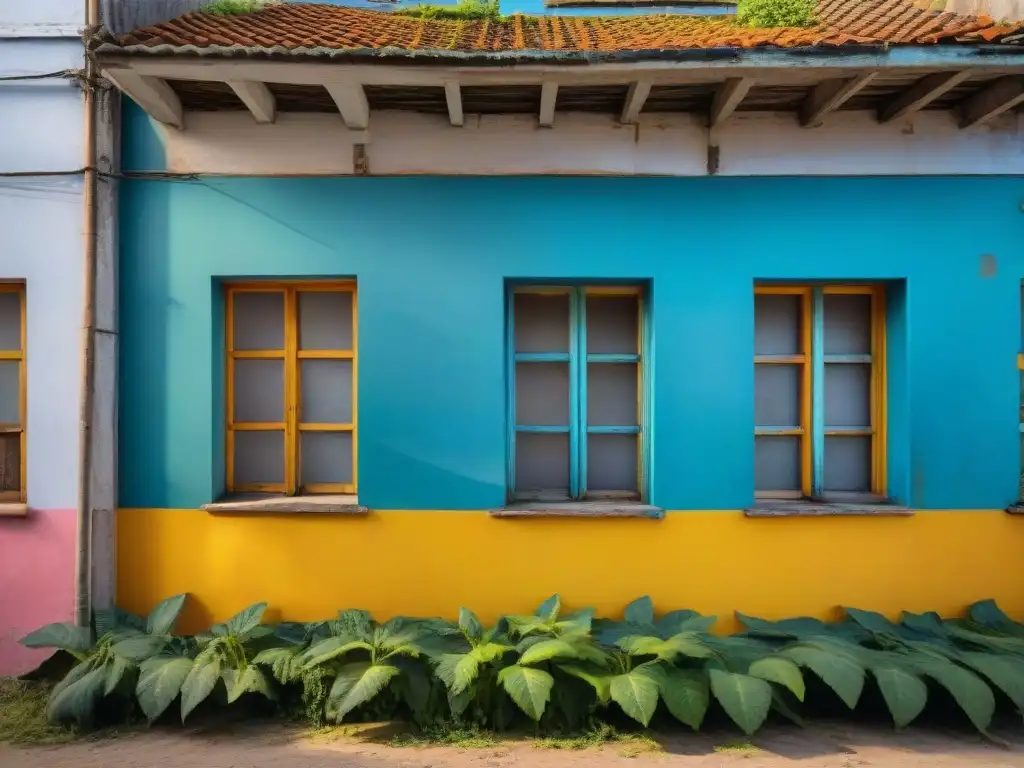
(291, 392)
(807, 392)
(510, 378)
(229, 395)
(578, 394)
(879, 480)
(817, 363)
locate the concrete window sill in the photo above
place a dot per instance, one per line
(1016, 509)
(803, 508)
(267, 504)
(589, 509)
(13, 509)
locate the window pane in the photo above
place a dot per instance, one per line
(612, 463)
(10, 462)
(613, 324)
(542, 394)
(10, 321)
(259, 320)
(326, 389)
(612, 395)
(259, 457)
(847, 464)
(326, 457)
(259, 390)
(541, 323)
(542, 463)
(777, 395)
(777, 324)
(10, 392)
(777, 463)
(847, 324)
(325, 320)
(847, 395)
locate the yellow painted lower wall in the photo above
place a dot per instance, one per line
(429, 563)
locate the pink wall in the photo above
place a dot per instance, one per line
(37, 567)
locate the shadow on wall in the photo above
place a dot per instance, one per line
(123, 16)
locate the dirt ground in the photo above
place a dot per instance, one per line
(822, 746)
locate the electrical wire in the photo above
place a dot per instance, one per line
(142, 175)
(66, 74)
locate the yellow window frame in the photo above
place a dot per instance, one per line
(291, 355)
(21, 495)
(806, 358)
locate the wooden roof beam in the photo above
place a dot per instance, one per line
(921, 94)
(453, 95)
(153, 94)
(727, 98)
(829, 95)
(1005, 93)
(351, 101)
(637, 94)
(548, 99)
(258, 98)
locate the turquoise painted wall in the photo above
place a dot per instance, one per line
(431, 256)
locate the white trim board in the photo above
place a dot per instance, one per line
(40, 29)
(749, 144)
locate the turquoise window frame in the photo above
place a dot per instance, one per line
(578, 359)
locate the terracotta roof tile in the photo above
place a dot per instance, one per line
(318, 28)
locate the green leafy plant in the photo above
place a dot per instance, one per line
(107, 668)
(463, 10)
(237, 7)
(776, 13)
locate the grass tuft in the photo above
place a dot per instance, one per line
(446, 736)
(735, 748)
(23, 715)
(237, 7)
(463, 10)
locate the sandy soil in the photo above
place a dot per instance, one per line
(822, 746)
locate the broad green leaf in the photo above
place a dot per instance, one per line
(674, 622)
(522, 626)
(1005, 672)
(745, 699)
(488, 652)
(1004, 643)
(139, 648)
(775, 669)
(972, 694)
(413, 685)
(988, 614)
(457, 671)
(839, 671)
(77, 701)
(600, 680)
(685, 694)
(577, 621)
(548, 649)
(529, 688)
(684, 644)
(198, 684)
(64, 635)
(332, 648)
(75, 674)
(872, 621)
(801, 627)
(112, 619)
(905, 694)
(924, 623)
(780, 705)
(637, 694)
(458, 703)
(356, 684)
(470, 624)
(116, 668)
(246, 620)
(549, 609)
(282, 662)
(163, 618)
(640, 611)
(160, 682)
(249, 680)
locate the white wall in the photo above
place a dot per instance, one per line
(30, 18)
(754, 144)
(41, 130)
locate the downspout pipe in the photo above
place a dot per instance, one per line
(83, 538)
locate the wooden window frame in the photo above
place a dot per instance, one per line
(21, 495)
(577, 428)
(812, 359)
(291, 356)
